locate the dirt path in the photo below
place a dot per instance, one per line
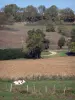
(51, 66)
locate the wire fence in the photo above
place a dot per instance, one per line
(29, 89)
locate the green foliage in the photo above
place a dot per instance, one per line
(67, 15)
(52, 12)
(50, 28)
(13, 12)
(6, 54)
(11, 9)
(19, 17)
(20, 92)
(72, 47)
(61, 42)
(31, 11)
(36, 43)
(73, 35)
(33, 14)
(9, 13)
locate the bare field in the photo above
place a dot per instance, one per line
(52, 66)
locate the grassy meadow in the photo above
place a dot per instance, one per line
(39, 90)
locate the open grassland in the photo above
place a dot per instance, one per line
(15, 34)
(39, 90)
(64, 66)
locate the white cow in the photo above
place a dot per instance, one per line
(19, 82)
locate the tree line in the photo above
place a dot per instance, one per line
(12, 12)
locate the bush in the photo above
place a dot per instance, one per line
(72, 47)
(6, 54)
(50, 28)
(61, 42)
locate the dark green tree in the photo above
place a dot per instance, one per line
(72, 47)
(52, 13)
(30, 13)
(11, 9)
(67, 15)
(61, 42)
(36, 43)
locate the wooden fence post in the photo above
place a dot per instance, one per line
(46, 89)
(27, 88)
(34, 88)
(64, 90)
(54, 89)
(11, 87)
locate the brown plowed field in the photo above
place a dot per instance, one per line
(51, 66)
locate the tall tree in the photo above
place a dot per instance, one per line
(67, 14)
(11, 9)
(36, 43)
(52, 12)
(30, 12)
(41, 9)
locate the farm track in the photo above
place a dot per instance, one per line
(52, 66)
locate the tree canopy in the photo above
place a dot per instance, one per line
(11, 9)
(67, 14)
(52, 12)
(36, 43)
(33, 14)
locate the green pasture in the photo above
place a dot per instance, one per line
(38, 90)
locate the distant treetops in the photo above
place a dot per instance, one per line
(33, 14)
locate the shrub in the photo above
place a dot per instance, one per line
(50, 28)
(6, 54)
(72, 47)
(61, 42)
